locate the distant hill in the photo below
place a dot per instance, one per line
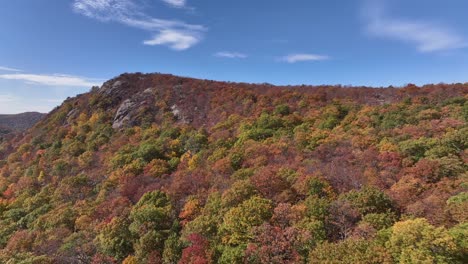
(19, 122)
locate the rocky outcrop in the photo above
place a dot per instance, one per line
(108, 89)
(123, 115)
(130, 108)
(179, 115)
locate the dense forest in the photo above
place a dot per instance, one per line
(153, 168)
(17, 123)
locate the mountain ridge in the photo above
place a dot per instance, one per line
(21, 121)
(115, 91)
(156, 168)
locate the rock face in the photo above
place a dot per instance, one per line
(109, 89)
(123, 115)
(178, 115)
(130, 108)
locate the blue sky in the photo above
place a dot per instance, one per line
(52, 49)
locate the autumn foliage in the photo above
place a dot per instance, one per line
(215, 172)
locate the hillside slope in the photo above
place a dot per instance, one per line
(11, 125)
(18, 122)
(153, 168)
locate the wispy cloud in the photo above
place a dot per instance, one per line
(427, 36)
(7, 98)
(293, 58)
(175, 34)
(2, 68)
(230, 55)
(52, 80)
(176, 3)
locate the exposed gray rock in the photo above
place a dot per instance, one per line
(108, 89)
(178, 114)
(148, 91)
(73, 113)
(122, 116)
(175, 111)
(129, 109)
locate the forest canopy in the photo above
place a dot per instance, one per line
(162, 169)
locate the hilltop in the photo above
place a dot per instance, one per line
(19, 122)
(156, 168)
(11, 125)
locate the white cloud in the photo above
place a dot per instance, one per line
(427, 36)
(176, 3)
(293, 58)
(52, 80)
(230, 55)
(105, 10)
(9, 69)
(155, 24)
(177, 40)
(175, 34)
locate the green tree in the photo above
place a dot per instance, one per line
(115, 239)
(416, 241)
(457, 206)
(239, 192)
(460, 236)
(151, 222)
(172, 249)
(232, 255)
(369, 200)
(239, 221)
(349, 251)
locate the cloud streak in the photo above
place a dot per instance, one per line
(303, 57)
(52, 80)
(230, 55)
(174, 34)
(426, 36)
(2, 68)
(176, 3)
